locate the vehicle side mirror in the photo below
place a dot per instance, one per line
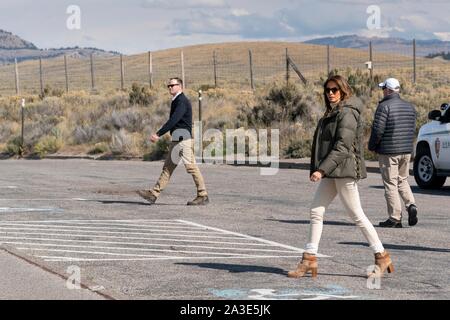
(434, 115)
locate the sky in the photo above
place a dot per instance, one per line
(136, 26)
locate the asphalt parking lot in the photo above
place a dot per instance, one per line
(71, 217)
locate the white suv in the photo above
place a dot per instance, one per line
(432, 160)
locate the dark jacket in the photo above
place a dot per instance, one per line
(337, 147)
(394, 127)
(180, 117)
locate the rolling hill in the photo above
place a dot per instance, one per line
(12, 47)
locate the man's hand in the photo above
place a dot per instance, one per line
(317, 176)
(154, 138)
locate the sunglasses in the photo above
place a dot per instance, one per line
(331, 90)
(173, 85)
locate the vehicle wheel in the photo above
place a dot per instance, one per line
(425, 171)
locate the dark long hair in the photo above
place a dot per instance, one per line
(344, 88)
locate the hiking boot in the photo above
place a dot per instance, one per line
(199, 201)
(390, 223)
(412, 215)
(147, 195)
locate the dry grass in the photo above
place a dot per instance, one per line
(232, 67)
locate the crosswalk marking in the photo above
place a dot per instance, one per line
(135, 240)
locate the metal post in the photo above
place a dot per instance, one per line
(200, 120)
(66, 73)
(372, 65)
(252, 85)
(287, 67)
(215, 69)
(328, 61)
(150, 68)
(92, 73)
(371, 60)
(414, 61)
(121, 72)
(182, 70)
(41, 81)
(200, 98)
(22, 132)
(16, 69)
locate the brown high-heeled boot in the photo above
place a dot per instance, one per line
(308, 263)
(383, 262)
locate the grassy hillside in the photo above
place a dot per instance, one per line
(232, 67)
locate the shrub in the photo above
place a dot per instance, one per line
(14, 146)
(140, 95)
(99, 148)
(299, 148)
(48, 144)
(283, 103)
(158, 151)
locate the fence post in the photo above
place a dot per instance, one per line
(41, 81)
(150, 68)
(215, 69)
(16, 72)
(66, 73)
(182, 69)
(414, 61)
(371, 66)
(252, 85)
(22, 109)
(121, 72)
(328, 61)
(287, 67)
(92, 73)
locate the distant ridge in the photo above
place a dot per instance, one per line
(391, 45)
(12, 47)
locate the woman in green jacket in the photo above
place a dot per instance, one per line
(337, 162)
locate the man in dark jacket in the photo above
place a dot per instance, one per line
(181, 147)
(392, 137)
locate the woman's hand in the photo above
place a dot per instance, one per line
(317, 176)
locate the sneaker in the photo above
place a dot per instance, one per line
(199, 201)
(412, 215)
(147, 195)
(389, 223)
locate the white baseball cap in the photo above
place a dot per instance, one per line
(391, 83)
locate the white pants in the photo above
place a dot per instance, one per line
(347, 190)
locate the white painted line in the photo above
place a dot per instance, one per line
(62, 199)
(129, 254)
(124, 248)
(9, 209)
(8, 187)
(132, 238)
(143, 233)
(252, 238)
(69, 259)
(141, 226)
(136, 220)
(74, 228)
(139, 244)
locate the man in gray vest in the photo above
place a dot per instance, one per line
(392, 137)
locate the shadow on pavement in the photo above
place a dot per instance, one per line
(445, 191)
(235, 268)
(331, 223)
(137, 203)
(400, 247)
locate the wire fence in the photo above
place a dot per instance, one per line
(238, 65)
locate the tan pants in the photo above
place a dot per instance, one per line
(180, 151)
(395, 173)
(347, 189)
